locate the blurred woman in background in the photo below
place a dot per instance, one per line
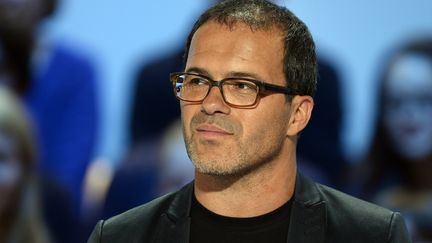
(401, 153)
(20, 218)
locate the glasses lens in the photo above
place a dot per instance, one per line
(240, 92)
(191, 87)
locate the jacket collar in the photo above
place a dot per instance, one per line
(308, 214)
(307, 224)
(174, 225)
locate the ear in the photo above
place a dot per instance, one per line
(301, 111)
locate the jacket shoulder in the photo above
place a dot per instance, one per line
(140, 214)
(133, 225)
(341, 201)
(348, 216)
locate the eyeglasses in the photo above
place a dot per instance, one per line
(236, 92)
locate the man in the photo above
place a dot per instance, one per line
(245, 96)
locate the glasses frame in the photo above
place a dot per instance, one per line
(264, 88)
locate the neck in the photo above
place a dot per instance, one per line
(248, 195)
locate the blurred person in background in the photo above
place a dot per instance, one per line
(401, 153)
(150, 171)
(55, 203)
(59, 87)
(21, 219)
(319, 150)
(174, 168)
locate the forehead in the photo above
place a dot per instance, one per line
(213, 34)
(236, 47)
(410, 73)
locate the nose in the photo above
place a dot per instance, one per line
(214, 103)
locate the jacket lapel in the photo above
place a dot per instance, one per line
(308, 214)
(174, 224)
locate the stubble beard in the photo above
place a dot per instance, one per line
(238, 160)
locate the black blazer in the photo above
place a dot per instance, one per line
(319, 214)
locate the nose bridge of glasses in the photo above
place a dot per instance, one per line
(214, 93)
(215, 83)
(215, 102)
(218, 85)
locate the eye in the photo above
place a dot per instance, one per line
(243, 86)
(196, 81)
(191, 80)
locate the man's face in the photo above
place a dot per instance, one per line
(222, 140)
(408, 113)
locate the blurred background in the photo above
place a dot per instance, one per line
(92, 80)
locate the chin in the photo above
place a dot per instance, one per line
(221, 169)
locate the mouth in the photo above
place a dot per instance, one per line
(212, 131)
(410, 130)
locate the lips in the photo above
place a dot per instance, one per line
(208, 129)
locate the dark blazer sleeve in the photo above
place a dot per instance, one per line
(96, 235)
(398, 232)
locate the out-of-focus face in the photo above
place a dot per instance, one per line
(10, 171)
(408, 106)
(222, 140)
(20, 15)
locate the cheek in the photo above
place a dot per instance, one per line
(425, 130)
(418, 120)
(393, 122)
(268, 123)
(411, 135)
(187, 112)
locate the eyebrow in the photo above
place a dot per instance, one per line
(198, 71)
(232, 74)
(235, 74)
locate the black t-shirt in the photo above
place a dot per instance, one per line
(208, 227)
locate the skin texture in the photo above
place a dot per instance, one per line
(244, 158)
